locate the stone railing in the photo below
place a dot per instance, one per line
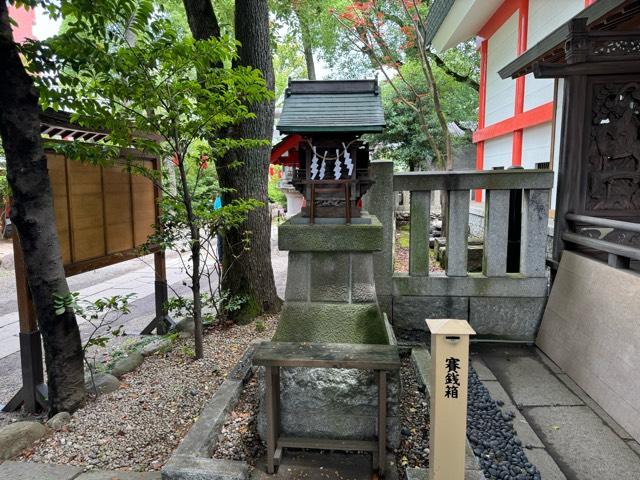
(498, 304)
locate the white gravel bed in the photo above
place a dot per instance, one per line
(138, 427)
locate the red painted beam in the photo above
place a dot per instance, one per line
(502, 14)
(523, 24)
(530, 118)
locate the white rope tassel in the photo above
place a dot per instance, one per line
(322, 167)
(314, 164)
(347, 160)
(337, 169)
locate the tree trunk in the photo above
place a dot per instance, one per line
(34, 217)
(252, 275)
(306, 45)
(248, 273)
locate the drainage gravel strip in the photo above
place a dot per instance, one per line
(493, 438)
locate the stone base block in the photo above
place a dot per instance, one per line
(333, 403)
(506, 318)
(331, 323)
(503, 318)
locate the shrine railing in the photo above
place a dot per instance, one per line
(497, 303)
(618, 255)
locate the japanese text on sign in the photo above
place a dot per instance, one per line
(452, 379)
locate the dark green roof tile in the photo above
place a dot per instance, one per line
(332, 106)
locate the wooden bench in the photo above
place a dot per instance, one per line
(274, 355)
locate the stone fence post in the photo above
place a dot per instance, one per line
(380, 201)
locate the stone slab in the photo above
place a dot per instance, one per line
(583, 445)
(410, 313)
(421, 359)
(113, 475)
(635, 446)
(481, 369)
(581, 394)
(549, 469)
(314, 465)
(520, 424)
(506, 318)
(331, 323)
(329, 277)
(591, 330)
(37, 471)
(203, 434)
(529, 382)
(473, 285)
(331, 238)
(185, 467)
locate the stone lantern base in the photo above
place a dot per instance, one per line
(331, 297)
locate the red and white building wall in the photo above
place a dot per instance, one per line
(25, 19)
(516, 118)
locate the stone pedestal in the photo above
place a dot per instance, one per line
(331, 297)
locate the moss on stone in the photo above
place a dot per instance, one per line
(331, 238)
(331, 323)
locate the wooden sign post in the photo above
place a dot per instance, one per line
(449, 370)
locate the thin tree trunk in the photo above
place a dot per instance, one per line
(34, 217)
(252, 276)
(306, 45)
(195, 260)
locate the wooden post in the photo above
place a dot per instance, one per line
(449, 370)
(161, 293)
(32, 395)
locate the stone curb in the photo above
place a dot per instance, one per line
(192, 459)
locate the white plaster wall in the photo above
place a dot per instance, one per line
(497, 152)
(547, 15)
(536, 145)
(544, 17)
(501, 50)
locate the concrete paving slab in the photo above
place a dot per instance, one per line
(520, 424)
(322, 466)
(582, 445)
(635, 446)
(111, 475)
(551, 365)
(37, 471)
(591, 403)
(529, 382)
(481, 369)
(549, 469)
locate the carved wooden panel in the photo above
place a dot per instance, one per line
(613, 153)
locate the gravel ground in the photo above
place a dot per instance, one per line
(238, 439)
(138, 427)
(492, 437)
(414, 412)
(401, 261)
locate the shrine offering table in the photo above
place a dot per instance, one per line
(274, 355)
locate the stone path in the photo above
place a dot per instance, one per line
(133, 276)
(40, 471)
(569, 435)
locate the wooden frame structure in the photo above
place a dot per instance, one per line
(382, 359)
(103, 215)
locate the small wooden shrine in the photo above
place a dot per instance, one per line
(596, 57)
(324, 121)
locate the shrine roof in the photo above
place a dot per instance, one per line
(602, 15)
(332, 106)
